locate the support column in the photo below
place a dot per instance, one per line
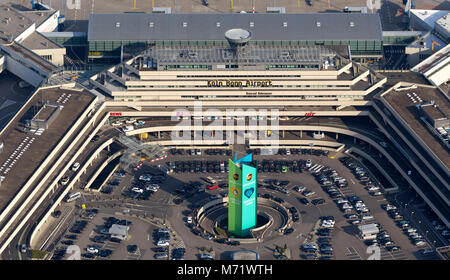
(301, 133)
(282, 133)
(354, 140)
(159, 134)
(337, 136)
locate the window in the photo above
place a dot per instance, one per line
(47, 57)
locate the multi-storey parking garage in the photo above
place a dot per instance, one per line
(315, 96)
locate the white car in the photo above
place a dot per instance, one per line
(367, 217)
(376, 193)
(145, 177)
(373, 188)
(92, 250)
(189, 219)
(137, 190)
(299, 188)
(75, 166)
(420, 243)
(327, 224)
(341, 201)
(162, 243)
(383, 144)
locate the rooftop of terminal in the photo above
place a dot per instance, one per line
(406, 99)
(263, 26)
(25, 149)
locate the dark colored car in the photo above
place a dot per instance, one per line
(56, 214)
(67, 242)
(95, 138)
(221, 240)
(288, 231)
(303, 200)
(234, 243)
(88, 256)
(318, 201)
(105, 253)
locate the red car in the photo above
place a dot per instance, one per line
(213, 187)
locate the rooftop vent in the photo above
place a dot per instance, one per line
(285, 24)
(40, 14)
(44, 44)
(318, 24)
(352, 24)
(184, 24)
(252, 24)
(117, 24)
(151, 24)
(217, 24)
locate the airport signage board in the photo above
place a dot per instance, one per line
(248, 198)
(234, 197)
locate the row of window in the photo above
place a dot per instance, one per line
(354, 45)
(272, 86)
(253, 96)
(302, 66)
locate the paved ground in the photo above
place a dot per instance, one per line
(345, 242)
(392, 18)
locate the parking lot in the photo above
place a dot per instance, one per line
(313, 185)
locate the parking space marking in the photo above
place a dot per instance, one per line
(352, 254)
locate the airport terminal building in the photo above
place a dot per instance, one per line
(110, 35)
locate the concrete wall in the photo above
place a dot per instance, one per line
(57, 55)
(23, 72)
(26, 33)
(50, 24)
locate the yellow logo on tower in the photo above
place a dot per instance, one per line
(235, 192)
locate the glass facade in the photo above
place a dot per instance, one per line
(357, 47)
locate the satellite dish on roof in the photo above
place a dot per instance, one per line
(238, 36)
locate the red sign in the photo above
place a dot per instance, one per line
(115, 114)
(309, 114)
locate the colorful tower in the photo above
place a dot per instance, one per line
(241, 196)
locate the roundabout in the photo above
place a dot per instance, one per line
(212, 218)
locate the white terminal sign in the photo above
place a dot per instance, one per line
(237, 83)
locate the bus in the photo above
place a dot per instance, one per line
(73, 197)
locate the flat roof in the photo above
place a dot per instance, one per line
(406, 108)
(45, 112)
(39, 16)
(266, 26)
(251, 54)
(12, 23)
(433, 112)
(118, 229)
(429, 16)
(37, 41)
(31, 56)
(41, 145)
